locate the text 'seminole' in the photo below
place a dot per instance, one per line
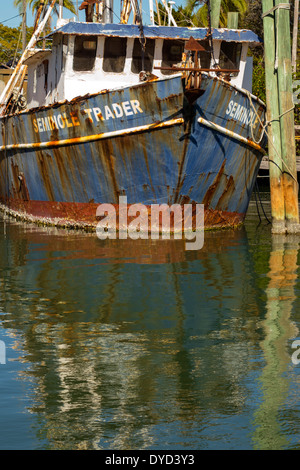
(155, 221)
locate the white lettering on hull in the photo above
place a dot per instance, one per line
(62, 120)
(240, 113)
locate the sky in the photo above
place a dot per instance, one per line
(9, 13)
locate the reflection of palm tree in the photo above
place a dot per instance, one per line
(200, 17)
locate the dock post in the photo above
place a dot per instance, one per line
(286, 113)
(215, 8)
(274, 137)
(232, 20)
(295, 36)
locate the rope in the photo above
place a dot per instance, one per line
(263, 126)
(264, 131)
(280, 6)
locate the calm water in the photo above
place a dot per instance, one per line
(144, 345)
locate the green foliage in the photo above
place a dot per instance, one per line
(258, 81)
(34, 4)
(198, 10)
(180, 15)
(252, 18)
(11, 43)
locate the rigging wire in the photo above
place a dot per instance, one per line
(142, 38)
(16, 16)
(210, 38)
(17, 48)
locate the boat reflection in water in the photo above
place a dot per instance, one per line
(136, 344)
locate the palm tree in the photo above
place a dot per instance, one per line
(200, 17)
(37, 4)
(68, 4)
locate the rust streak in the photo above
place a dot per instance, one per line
(215, 185)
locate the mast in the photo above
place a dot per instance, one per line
(108, 6)
(19, 71)
(24, 27)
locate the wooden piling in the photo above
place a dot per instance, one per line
(295, 36)
(215, 8)
(286, 112)
(274, 150)
(232, 20)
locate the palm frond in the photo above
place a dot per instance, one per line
(198, 10)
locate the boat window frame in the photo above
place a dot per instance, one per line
(85, 57)
(236, 56)
(169, 63)
(136, 57)
(107, 60)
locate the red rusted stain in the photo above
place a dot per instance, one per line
(23, 187)
(83, 215)
(227, 193)
(20, 189)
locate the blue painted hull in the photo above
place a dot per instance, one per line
(146, 142)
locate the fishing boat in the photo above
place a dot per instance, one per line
(157, 114)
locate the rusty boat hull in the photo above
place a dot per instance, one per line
(149, 142)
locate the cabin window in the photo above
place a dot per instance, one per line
(230, 55)
(205, 56)
(84, 53)
(171, 54)
(136, 65)
(114, 55)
